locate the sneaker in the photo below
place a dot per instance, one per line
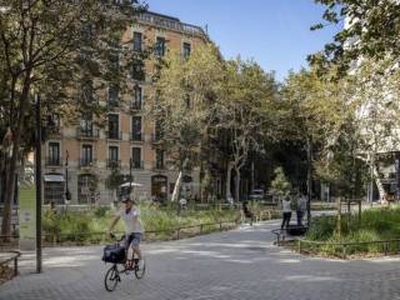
(136, 267)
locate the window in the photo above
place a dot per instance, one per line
(113, 157)
(160, 159)
(137, 41)
(114, 51)
(87, 155)
(113, 127)
(113, 94)
(159, 131)
(54, 155)
(160, 46)
(86, 125)
(138, 70)
(54, 191)
(186, 50)
(86, 188)
(87, 92)
(137, 97)
(136, 158)
(136, 128)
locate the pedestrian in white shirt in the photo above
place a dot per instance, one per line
(287, 212)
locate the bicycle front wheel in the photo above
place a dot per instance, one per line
(112, 278)
(140, 268)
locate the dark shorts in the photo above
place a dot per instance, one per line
(133, 240)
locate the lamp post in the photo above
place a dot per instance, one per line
(67, 192)
(130, 176)
(38, 162)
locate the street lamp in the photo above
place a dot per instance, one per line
(130, 176)
(67, 192)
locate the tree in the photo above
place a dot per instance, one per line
(245, 114)
(316, 109)
(280, 186)
(377, 120)
(371, 30)
(63, 50)
(184, 108)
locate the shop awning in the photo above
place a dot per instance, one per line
(54, 178)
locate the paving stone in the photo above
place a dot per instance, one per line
(239, 264)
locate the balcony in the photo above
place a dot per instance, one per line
(114, 135)
(137, 165)
(51, 161)
(87, 162)
(136, 137)
(156, 138)
(54, 133)
(136, 105)
(113, 164)
(84, 133)
(159, 166)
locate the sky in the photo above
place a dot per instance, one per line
(275, 33)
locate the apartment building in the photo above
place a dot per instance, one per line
(80, 158)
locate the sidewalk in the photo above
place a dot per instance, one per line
(239, 264)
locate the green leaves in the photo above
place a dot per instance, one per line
(371, 30)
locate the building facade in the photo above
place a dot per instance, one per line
(79, 159)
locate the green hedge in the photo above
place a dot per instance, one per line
(90, 226)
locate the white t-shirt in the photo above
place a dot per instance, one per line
(131, 220)
(286, 206)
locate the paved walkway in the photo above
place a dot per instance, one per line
(240, 264)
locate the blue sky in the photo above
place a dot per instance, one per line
(275, 33)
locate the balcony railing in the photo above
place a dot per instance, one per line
(136, 105)
(157, 166)
(138, 165)
(84, 133)
(87, 162)
(113, 164)
(156, 137)
(114, 135)
(53, 161)
(135, 137)
(56, 132)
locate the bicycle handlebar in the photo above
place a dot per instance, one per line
(114, 237)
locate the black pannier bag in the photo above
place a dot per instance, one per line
(114, 254)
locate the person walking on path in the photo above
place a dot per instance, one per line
(301, 209)
(287, 212)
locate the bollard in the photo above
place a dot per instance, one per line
(177, 234)
(344, 251)
(16, 266)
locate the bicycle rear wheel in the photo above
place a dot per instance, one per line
(112, 278)
(140, 268)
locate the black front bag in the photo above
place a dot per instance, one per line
(114, 254)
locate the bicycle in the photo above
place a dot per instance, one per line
(116, 254)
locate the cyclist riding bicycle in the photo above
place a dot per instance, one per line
(130, 214)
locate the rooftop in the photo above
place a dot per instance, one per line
(171, 23)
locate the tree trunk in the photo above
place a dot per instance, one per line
(378, 183)
(237, 186)
(12, 169)
(177, 187)
(9, 195)
(228, 193)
